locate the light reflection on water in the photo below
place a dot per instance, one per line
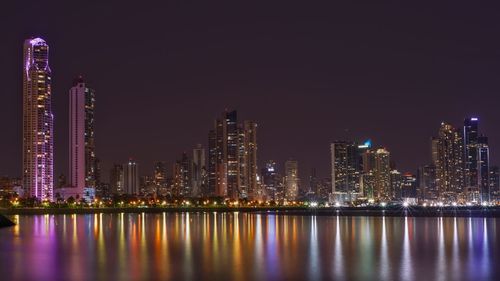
(242, 246)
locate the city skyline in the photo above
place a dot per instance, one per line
(460, 159)
(402, 128)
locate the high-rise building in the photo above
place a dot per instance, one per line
(232, 163)
(117, 179)
(291, 180)
(38, 121)
(381, 172)
(217, 163)
(250, 177)
(396, 179)
(82, 157)
(198, 171)
(270, 180)
(427, 187)
(450, 164)
(232, 154)
(160, 174)
(186, 172)
(91, 162)
(346, 171)
(470, 147)
(495, 183)
(409, 188)
(483, 169)
(131, 176)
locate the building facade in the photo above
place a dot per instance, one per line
(450, 164)
(38, 121)
(291, 180)
(82, 158)
(131, 178)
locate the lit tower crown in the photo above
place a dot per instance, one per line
(38, 121)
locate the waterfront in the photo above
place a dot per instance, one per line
(248, 246)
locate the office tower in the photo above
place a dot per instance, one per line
(449, 164)
(131, 176)
(198, 171)
(409, 188)
(470, 146)
(91, 161)
(313, 182)
(427, 187)
(381, 172)
(396, 179)
(232, 154)
(346, 170)
(270, 180)
(77, 138)
(213, 162)
(38, 121)
(495, 183)
(291, 180)
(117, 179)
(185, 169)
(483, 169)
(160, 174)
(250, 177)
(242, 164)
(217, 162)
(101, 190)
(232, 168)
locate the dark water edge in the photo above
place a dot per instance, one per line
(5, 222)
(341, 211)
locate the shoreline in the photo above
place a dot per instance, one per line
(338, 211)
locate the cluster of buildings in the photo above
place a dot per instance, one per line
(227, 169)
(38, 131)
(459, 171)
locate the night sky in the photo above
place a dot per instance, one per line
(307, 74)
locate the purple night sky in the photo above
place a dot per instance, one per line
(308, 75)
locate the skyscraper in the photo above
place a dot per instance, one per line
(185, 165)
(291, 180)
(160, 174)
(427, 187)
(250, 160)
(91, 161)
(345, 169)
(470, 148)
(117, 179)
(409, 188)
(131, 176)
(232, 157)
(270, 180)
(483, 169)
(396, 179)
(381, 174)
(449, 164)
(38, 121)
(495, 183)
(198, 170)
(82, 159)
(232, 154)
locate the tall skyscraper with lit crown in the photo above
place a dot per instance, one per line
(38, 121)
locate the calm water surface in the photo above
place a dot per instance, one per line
(241, 246)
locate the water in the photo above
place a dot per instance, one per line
(242, 246)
